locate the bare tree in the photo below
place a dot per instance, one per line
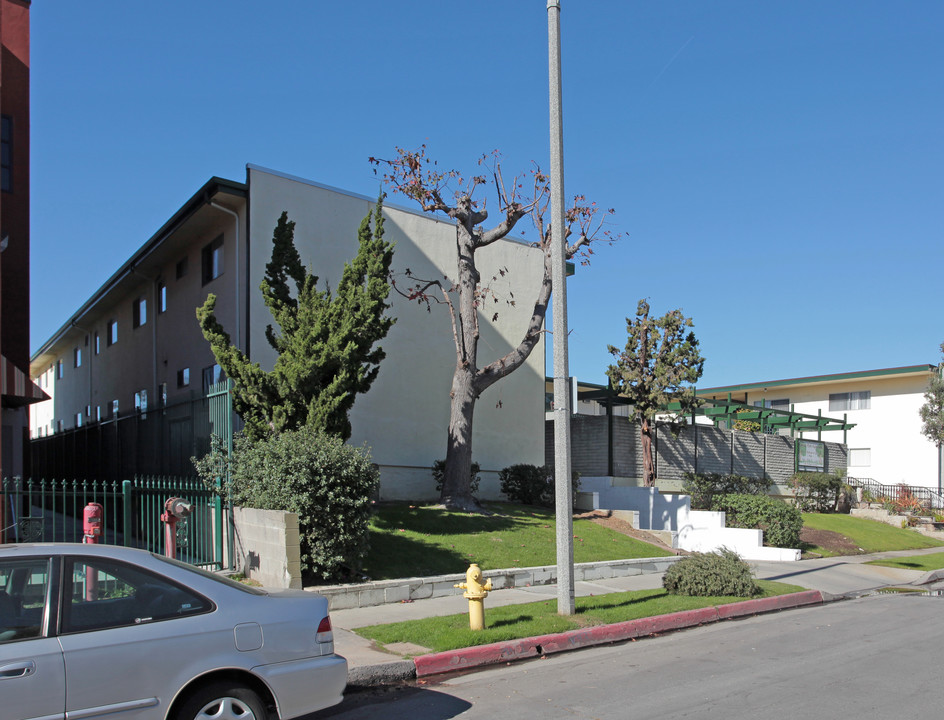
(414, 175)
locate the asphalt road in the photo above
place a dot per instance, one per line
(873, 657)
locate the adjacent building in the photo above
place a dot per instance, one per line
(886, 444)
(134, 350)
(16, 390)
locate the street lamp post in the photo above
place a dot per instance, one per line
(562, 409)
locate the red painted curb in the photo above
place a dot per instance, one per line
(508, 651)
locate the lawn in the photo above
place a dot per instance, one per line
(926, 563)
(863, 536)
(417, 541)
(511, 622)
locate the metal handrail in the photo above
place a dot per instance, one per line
(928, 496)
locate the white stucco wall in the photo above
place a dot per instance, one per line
(890, 427)
(405, 415)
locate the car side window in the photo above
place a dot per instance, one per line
(101, 593)
(22, 598)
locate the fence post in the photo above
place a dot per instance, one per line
(220, 520)
(127, 488)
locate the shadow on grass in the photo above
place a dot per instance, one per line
(392, 551)
(430, 520)
(511, 621)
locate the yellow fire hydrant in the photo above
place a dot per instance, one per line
(475, 592)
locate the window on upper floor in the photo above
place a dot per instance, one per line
(212, 260)
(781, 404)
(78, 420)
(97, 343)
(59, 367)
(77, 357)
(162, 394)
(183, 377)
(861, 400)
(6, 153)
(112, 332)
(114, 408)
(161, 298)
(139, 312)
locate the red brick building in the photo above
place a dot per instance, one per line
(16, 389)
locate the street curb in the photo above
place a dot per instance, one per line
(532, 647)
(930, 577)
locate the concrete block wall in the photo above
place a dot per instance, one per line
(714, 450)
(696, 448)
(779, 454)
(267, 547)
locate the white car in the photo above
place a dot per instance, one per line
(96, 631)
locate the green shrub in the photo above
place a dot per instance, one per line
(327, 483)
(817, 492)
(780, 521)
(703, 487)
(711, 575)
(439, 475)
(532, 485)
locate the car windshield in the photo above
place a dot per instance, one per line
(212, 575)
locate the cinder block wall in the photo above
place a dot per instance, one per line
(267, 547)
(696, 448)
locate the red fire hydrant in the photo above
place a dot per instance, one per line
(174, 509)
(93, 519)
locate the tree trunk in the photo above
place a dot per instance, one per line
(456, 493)
(645, 434)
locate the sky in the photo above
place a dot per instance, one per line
(775, 167)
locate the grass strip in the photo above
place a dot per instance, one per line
(418, 541)
(512, 622)
(869, 536)
(925, 563)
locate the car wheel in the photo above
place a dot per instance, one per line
(223, 701)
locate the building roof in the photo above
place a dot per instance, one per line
(210, 191)
(820, 379)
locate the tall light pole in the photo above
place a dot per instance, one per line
(562, 468)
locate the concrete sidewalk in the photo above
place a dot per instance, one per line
(833, 578)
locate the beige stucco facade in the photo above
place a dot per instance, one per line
(886, 443)
(402, 419)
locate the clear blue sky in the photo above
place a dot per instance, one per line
(776, 166)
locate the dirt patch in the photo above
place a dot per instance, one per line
(604, 518)
(833, 542)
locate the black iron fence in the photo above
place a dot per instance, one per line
(900, 494)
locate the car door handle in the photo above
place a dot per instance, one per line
(17, 670)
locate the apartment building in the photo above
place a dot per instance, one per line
(135, 346)
(886, 443)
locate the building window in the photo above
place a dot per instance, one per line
(140, 402)
(182, 267)
(162, 394)
(211, 376)
(98, 413)
(112, 332)
(114, 408)
(212, 260)
(860, 457)
(97, 342)
(78, 420)
(140, 312)
(782, 404)
(183, 377)
(59, 369)
(861, 400)
(58, 425)
(6, 153)
(161, 298)
(77, 357)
